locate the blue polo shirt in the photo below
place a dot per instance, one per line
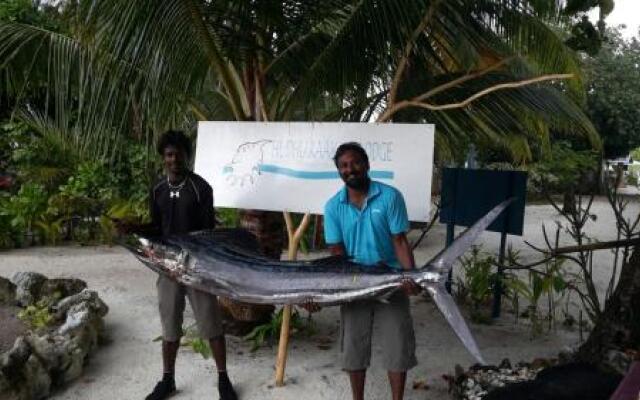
(366, 233)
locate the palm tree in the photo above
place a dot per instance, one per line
(475, 68)
(481, 70)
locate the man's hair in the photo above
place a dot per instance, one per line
(174, 138)
(350, 146)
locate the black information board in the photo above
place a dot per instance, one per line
(468, 194)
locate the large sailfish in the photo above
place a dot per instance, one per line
(225, 262)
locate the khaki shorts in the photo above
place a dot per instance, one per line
(171, 303)
(392, 319)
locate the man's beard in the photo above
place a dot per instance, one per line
(358, 183)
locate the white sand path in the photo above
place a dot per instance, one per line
(129, 366)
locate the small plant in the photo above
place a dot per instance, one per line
(50, 229)
(476, 285)
(549, 282)
(531, 292)
(191, 338)
(38, 316)
(197, 344)
(270, 330)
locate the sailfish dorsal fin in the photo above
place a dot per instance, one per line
(445, 259)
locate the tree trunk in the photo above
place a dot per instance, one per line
(619, 327)
(241, 318)
(620, 181)
(569, 202)
(268, 226)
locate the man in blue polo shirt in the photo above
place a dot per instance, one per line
(367, 220)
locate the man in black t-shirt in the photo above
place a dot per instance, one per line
(182, 202)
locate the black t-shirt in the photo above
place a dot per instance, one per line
(182, 208)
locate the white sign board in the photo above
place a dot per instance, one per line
(288, 166)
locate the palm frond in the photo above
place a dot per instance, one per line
(155, 64)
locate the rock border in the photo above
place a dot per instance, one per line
(481, 381)
(42, 360)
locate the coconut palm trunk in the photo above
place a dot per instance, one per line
(267, 226)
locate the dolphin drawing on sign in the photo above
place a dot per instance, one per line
(245, 165)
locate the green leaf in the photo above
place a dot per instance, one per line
(559, 284)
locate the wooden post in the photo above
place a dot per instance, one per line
(292, 254)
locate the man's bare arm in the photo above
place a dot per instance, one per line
(404, 254)
(335, 250)
(403, 251)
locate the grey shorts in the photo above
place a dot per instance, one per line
(394, 323)
(171, 303)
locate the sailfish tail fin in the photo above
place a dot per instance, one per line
(451, 312)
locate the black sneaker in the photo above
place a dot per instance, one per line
(225, 388)
(163, 390)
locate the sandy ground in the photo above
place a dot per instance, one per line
(129, 366)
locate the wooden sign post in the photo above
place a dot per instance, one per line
(292, 254)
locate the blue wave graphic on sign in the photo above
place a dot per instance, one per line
(293, 173)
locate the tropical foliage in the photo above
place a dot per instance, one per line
(480, 70)
(564, 169)
(61, 196)
(613, 95)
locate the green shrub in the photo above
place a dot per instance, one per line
(25, 207)
(36, 158)
(65, 197)
(563, 169)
